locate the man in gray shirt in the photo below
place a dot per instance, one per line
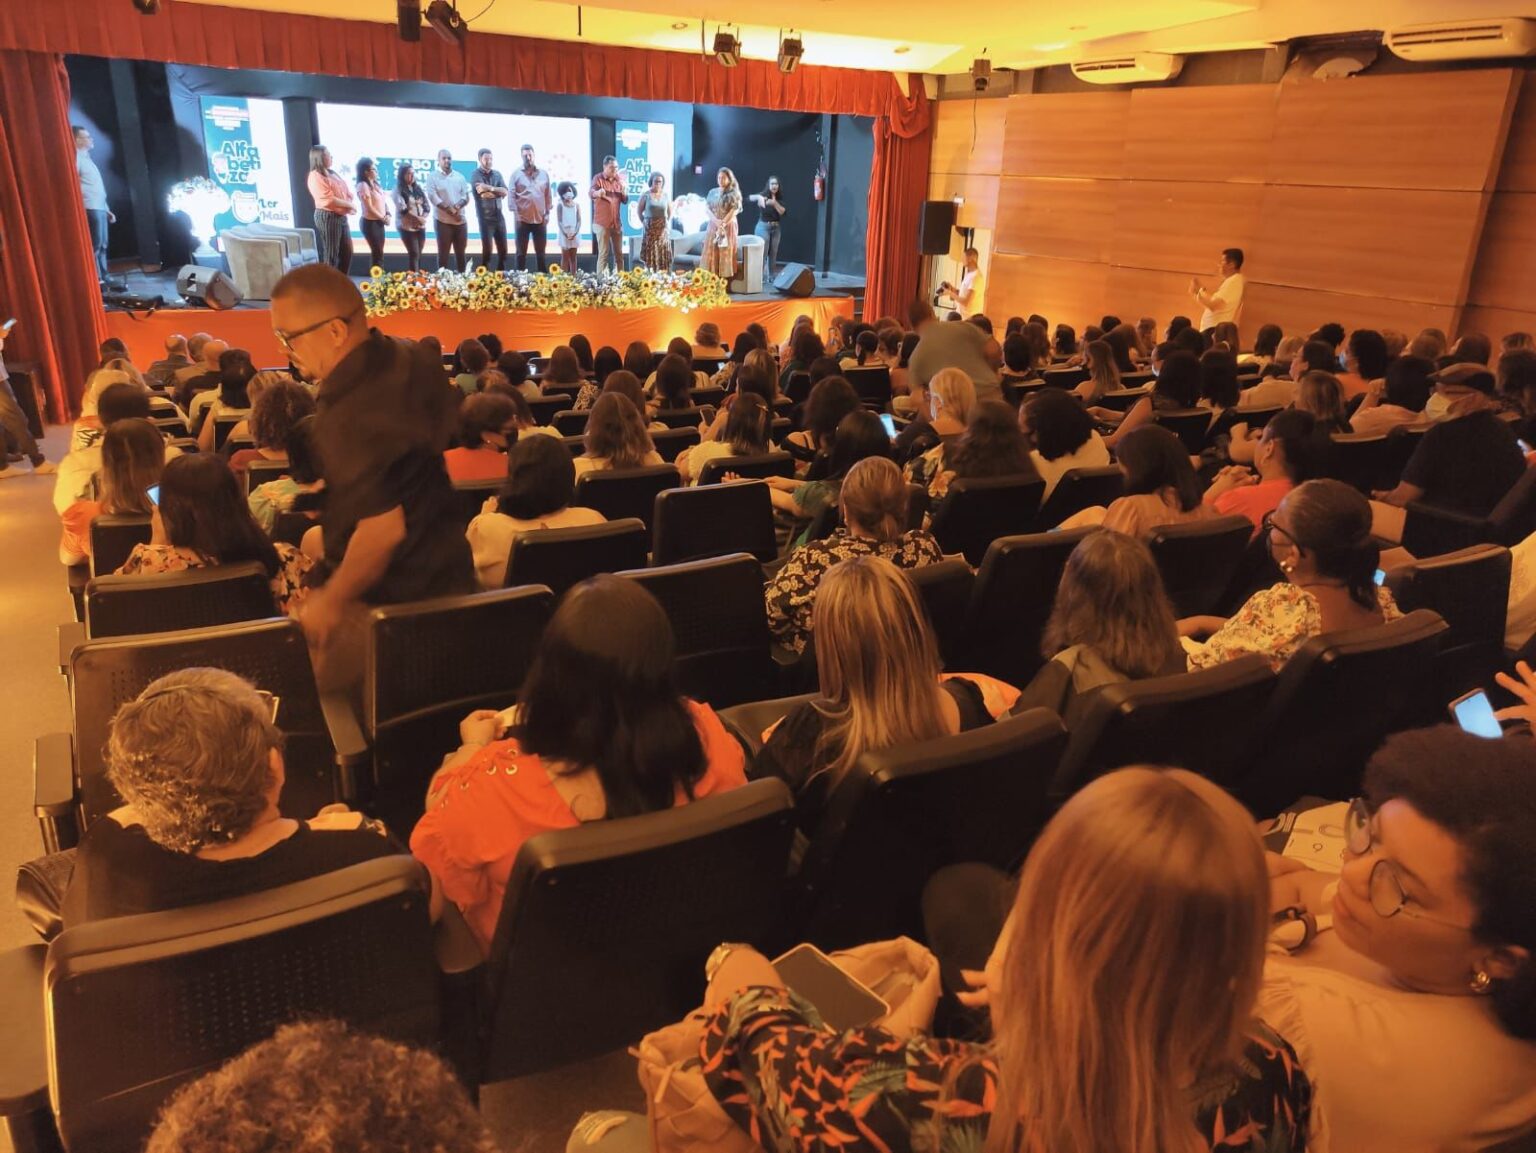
(448, 193)
(953, 344)
(93, 192)
(490, 193)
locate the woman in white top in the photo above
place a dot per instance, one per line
(616, 437)
(1414, 1009)
(745, 434)
(1062, 434)
(540, 482)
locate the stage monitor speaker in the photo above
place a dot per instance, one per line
(795, 280)
(938, 223)
(207, 287)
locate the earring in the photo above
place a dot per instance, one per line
(1481, 982)
(1287, 567)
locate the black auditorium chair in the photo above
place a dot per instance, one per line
(713, 520)
(113, 538)
(561, 557)
(917, 505)
(720, 624)
(798, 387)
(753, 467)
(575, 445)
(1064, 377)
(1121, 399)
(1137, 379)
(1469, 588)
(1367, 462)
(469, 497)
(708, 394)
(1190, 425)
(545, 407)
(975, 512)
(901, 814)
(670, 444)
(1256, 418)
(1198, 559)
(945, 590)
(223, 426)
(1201, 721)
(259, 472)
(569, 422)
(1430, 531)
(624, 492)
(680, 417)
(173, 426)
(748, 722)
(1081, 488)
(872, 384)
(605, 927)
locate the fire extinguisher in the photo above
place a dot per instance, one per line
(819, 184)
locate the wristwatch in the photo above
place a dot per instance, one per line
(717, 958)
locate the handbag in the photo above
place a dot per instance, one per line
(682, 1114)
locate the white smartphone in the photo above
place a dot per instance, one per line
(154, 495)
(1381, 577)
(843, 1002)
(889, 422)
(1474, 713)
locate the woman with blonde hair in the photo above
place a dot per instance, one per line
(720, 236)
(1122, 993)
(616, 437)
(1103, 372)
(1321, 394)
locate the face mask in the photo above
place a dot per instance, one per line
(1343, 360)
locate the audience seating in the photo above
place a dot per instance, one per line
(1430, 531)
(748, 722)
(545, 407)
(714, 520)
(680, 417)
(975, 512)
(575, 445)
(1138, 379)
(172, 426)
(1369, 463)
(798, 387)
(469, 497)
(605, 927)
(1257, 418)
(945, 589)
(1470, 591)
(624, 492)
(1122, 399)
(753, 467)
(1198, 560)
(569, 422)
(259, 472)
(113, 538)
(917, 506)
(872, 384)
(1081, 488)
(223, 426)
(1191, 425)
(670, 444)
(1064, 377)
(708, 394)
(561, 557)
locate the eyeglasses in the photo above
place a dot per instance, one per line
(1268, 528)
(1385, 887)
(286, 339)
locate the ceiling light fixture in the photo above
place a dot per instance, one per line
(791, 49)
(902, 49)
(727, 48)
(679, 25)
(408, 20)
(444, 19)
(147, 7)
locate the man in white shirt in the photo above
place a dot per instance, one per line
(971, 291)
(1227, 301)
(448, 193)
(93, 193)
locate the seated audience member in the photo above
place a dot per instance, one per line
(132, 458)
(1219, 390)
(198, 763)
(1398, 399)
(889, 352)
(1321, 394)
(1513, 341)
(823, 367)
(1331, 334)
(159, 374)
(523, 422)
(901, 375)
(1365, 362)
(706, 343)
(280, 494)
(1415, 1014)
(1176, 388)
(616, 436)
(1146, 335)
(1265, 347)
(1396, 342)
(1516, 380)
(1276, 387)
(196, 379)
(605, 361)
(582, 347)
(1064, 343)
(275, 412)
(487, 421)
(541, 480)
(599, 732)
(744, 344)
(79, 466)
(1125, 975)
(992, 445)
(1320, 537)
(88, 429)
(1430, 343)
(745, 434)
(514, 366)
(319, 1085)
(865, 347)
(948, 399)
(1062, 434)
(563, 373)
(228, 398)
(1160, 486)
(805, 347)
(639, 360)
(829, 401)
(258, 384)
(873, 501)
(674, 383)
(627, 384)
(1473, 348)
(1289, 451)
(473, 360)
(877, 664)
(203, 520)
(1110, 623)
(859, 435)
(1121, 339)
(492, 344)
(1103, 375)
(1039, 342)
(195, 345)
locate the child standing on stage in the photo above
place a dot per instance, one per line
(568, 221)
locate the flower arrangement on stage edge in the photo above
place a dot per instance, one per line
(482, 290)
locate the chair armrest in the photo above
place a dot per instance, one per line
(71, 637)
(353, 757)
(53, 791)
(1429, 531)
(76, 577)
(24, 1061)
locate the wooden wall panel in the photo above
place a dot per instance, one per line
(1059, 289)
(1419, 130)
(1071, 219)
(1137, 292)
(1298, 310)
(1518, 172)
(1408, 245)
(968, 136)
(1066, 135)
(1182, 226)
(978, 190)
(1216, 133)
(1495, 322)
(1506, 268)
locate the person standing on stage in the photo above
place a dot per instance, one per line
(532, 200)
(568, 224)
(772, 210)
(448, 193)
(490, 191)
(656, 217)
(720, 237)
(93, 193)
(608, 200)
(333, 204)
(371, 195)
(411, 211)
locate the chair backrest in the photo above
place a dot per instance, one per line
(259, 472)
(680, 417)
(753, 467)
(113, 538)
(605, 927)
(1081, 488)
(872, 384)
(1256, 418)
(271, 654)
(1201, 721)
(1336, 700)
(469, 497)
(545, 407)
(171, 426)
(625, 492)
(1198, 559)
(1122, 399)
(117, 606)
(975, 512)
(918, 503)
(713, 520)
(1364, 461)
(558, 558)
(569, 422)
(798, 387)
(1015, 589)
(945, 589)
(1064, 377)
(428, 664)
(138, 1006)
(1514, 517)
(748, 722)
(709, 394)
(223, 426)
(901, 814)
(720, 624)
(1190, 425)
(1470, 591)
(670, 444)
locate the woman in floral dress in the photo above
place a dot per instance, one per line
(656, 216)
(720, 238)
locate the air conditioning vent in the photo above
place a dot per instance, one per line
(1468, 40)
(1141, 68)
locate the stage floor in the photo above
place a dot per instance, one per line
(249, 326)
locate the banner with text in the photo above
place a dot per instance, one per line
(642, 148)
(248, 159)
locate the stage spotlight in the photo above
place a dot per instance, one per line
(791, 48)
(147, 7)
(727, 49)
(446, 21)
(408, 18)
(981, 73)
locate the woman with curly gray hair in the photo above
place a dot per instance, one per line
(198, 762)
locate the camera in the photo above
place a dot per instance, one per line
(981, 73)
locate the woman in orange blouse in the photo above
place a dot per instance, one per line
(375, 202)
(132, 458)
(600, 732)
(333, 204)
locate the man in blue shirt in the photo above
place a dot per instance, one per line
(93, 192)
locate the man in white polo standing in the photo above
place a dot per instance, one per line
(1227, 301)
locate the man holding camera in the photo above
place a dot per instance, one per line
(969, 295)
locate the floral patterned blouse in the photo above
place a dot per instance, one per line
(1275, 622)
(287, 585)
(797, 1086)
(791, 594)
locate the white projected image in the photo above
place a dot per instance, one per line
(562, 147)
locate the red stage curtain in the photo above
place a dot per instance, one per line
(898, 184)
(47, 272)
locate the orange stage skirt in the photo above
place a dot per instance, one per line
(251, 328)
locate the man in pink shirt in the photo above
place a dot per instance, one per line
(532, 201)
(608, 199)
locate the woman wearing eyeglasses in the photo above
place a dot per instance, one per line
(1413, 1009)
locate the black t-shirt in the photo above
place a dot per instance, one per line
(119, 871)
(769, 213)
(1466, 464)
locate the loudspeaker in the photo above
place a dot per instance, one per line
(207, 288)
(937, 224)
(795, 280)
